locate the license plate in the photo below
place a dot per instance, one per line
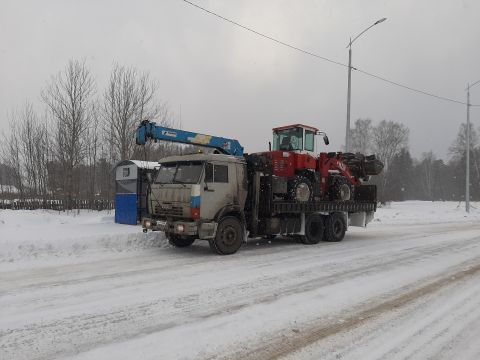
(161, 225)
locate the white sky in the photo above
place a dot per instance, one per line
(231, 83)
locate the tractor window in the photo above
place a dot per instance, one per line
(288, 139)
(309, 140)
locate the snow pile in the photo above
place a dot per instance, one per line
(39, 234)
(426, 212)
(8, 189)
(44, 234)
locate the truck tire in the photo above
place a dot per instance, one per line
(314, 229)
(180, 240)
(229, 236)
(300, 189)
(335, 227)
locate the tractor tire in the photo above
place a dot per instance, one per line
(229, 237)
(314, 229)
(335, 227)
(339, 189)
(300, 189)
(180, 241)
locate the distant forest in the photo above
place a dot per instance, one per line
(68, 149)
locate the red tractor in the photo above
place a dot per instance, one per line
(302, 175)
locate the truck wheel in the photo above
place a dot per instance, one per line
(339, 188)
(314, 229)
(179, 240)
(335, 227)
(229, 236)
(300, 189)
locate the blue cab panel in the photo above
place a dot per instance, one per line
(126, 209)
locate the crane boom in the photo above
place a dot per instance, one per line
(150, 130)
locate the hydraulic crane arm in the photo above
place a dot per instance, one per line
(150, 130)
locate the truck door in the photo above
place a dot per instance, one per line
(217, 188)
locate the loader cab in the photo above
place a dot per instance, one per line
(298, 138)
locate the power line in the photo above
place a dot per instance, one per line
(391, 82)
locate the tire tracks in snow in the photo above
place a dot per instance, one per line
(283, 346)
(92, 330)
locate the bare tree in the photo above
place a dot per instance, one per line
(362, 136)
(128, 99)
(11, 153)
(459, 147)
(428, 174)
(389, 138)
(93, 145)
(68, 96)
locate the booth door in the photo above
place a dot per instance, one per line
(126, 197)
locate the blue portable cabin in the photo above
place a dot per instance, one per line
(131, 186)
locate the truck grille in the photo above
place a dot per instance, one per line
(161, 209)
(279, 165)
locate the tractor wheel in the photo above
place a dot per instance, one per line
(339, 188)
(335, 227)
(229, 236)
(314, 229)
(180, 240)
(300, 189)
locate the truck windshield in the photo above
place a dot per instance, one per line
(183, 173)
(288, 139)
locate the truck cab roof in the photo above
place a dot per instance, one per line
(203, 157)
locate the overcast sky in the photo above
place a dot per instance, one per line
(232, 83)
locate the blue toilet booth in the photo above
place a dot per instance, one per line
(131, 185)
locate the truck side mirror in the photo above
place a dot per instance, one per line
(325, 140)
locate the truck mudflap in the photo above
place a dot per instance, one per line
(360, 219)
(204, 230)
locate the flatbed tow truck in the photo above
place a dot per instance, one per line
(227, 196)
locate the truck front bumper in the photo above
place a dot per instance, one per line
(204, 230)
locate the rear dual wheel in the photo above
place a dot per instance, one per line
(329, 228)
(335, 227)
(314, 230)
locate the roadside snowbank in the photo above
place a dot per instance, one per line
(41, 234)
(44, 235)
(426, 212)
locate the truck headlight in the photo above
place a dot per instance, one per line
(180, 228)
(147, 224)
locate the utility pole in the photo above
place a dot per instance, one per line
(349, 92)
(349, 95)
(467, 181)
(467, 155)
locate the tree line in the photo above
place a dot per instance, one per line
(67, 150)
(426, 178)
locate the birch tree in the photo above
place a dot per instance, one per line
(69, 96)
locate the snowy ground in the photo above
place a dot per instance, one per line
(79, 286)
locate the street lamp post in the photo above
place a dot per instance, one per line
(349, 92)
(467, 175)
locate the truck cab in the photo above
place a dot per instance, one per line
(193, 194)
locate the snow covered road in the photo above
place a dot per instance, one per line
(407, 286)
